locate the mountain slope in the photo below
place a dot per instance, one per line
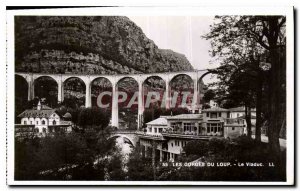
(89, 45)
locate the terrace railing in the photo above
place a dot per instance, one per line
(236, 121)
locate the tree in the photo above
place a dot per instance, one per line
(95, 118)
(37, 155)
(196, 147)
(26, 163)
(139, 167)
(115, 167)
(241, 92)
(209, 95)
(236, 38)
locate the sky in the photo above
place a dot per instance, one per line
(181, 34)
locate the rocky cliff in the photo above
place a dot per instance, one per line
(91, 45)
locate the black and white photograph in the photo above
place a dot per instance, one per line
(144, 96)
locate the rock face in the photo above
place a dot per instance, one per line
(89, 45)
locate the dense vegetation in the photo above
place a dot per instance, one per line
(215, 151)
(84, 154)
(252, 54)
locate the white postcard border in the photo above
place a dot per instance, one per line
(155, 11)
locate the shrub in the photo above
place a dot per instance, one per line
(196, 147)
(217, 145)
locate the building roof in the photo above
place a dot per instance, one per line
(214, 109)
(185, 116)
(61, 123)
(43, 113)
(158, 121)
(240, 109)
(65, 122)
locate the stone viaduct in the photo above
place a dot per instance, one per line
(195, 75)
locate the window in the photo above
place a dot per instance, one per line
(214, 127)
(43, 122)
(208, 127)
(160, 130)
(171, 144)
(195, 128)
(188, 126)
(232, 128)
(37, 122)
(207, 114)
(150, 129)
(54, 122)
(44, 130)
(173, 125)
(25, 122)
(219, 114)
(213, 115)
(238, 115)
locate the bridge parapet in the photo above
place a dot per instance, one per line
(129, 131)
(150, 136)
(116, 77)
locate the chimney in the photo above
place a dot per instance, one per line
(39, 106)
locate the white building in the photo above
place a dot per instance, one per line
(157, 126)
(240, 111)
(239, 114)
(169, 134)
(45, 120)
(213, 121)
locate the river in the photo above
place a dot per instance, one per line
(125, 148)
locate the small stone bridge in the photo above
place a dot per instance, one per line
(128, 134)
